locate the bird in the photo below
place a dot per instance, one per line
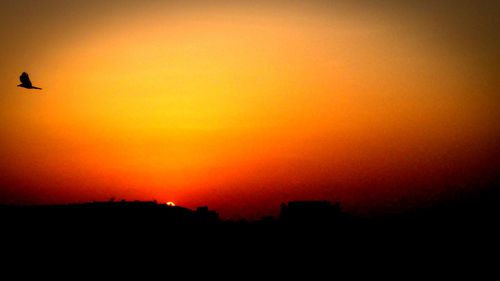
(26, 83)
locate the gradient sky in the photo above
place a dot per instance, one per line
(383, 105)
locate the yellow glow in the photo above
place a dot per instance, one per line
(195, 103)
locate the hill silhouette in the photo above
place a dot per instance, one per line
(480, 209)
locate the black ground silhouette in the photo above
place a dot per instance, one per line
(478, 210)
(318, 228)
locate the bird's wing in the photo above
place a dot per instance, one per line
(25, 79)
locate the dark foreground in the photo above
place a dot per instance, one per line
(306, 233)
(478, 213)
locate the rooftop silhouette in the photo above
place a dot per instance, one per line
(481, 209)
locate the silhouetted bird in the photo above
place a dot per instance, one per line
(26, 83)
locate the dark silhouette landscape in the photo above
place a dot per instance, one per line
(276, 123)
(478, 211)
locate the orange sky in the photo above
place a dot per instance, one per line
(244, 106)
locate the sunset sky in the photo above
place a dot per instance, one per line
(242, 105)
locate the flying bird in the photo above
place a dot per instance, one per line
(26, 83)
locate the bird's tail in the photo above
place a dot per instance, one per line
(36, 88)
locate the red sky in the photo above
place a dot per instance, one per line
(243, 106)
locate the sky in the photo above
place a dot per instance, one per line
(243, 105)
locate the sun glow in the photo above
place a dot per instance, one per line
(232, 106)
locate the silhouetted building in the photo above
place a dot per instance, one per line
(204, 215)
(125, 214)
(310, 212)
